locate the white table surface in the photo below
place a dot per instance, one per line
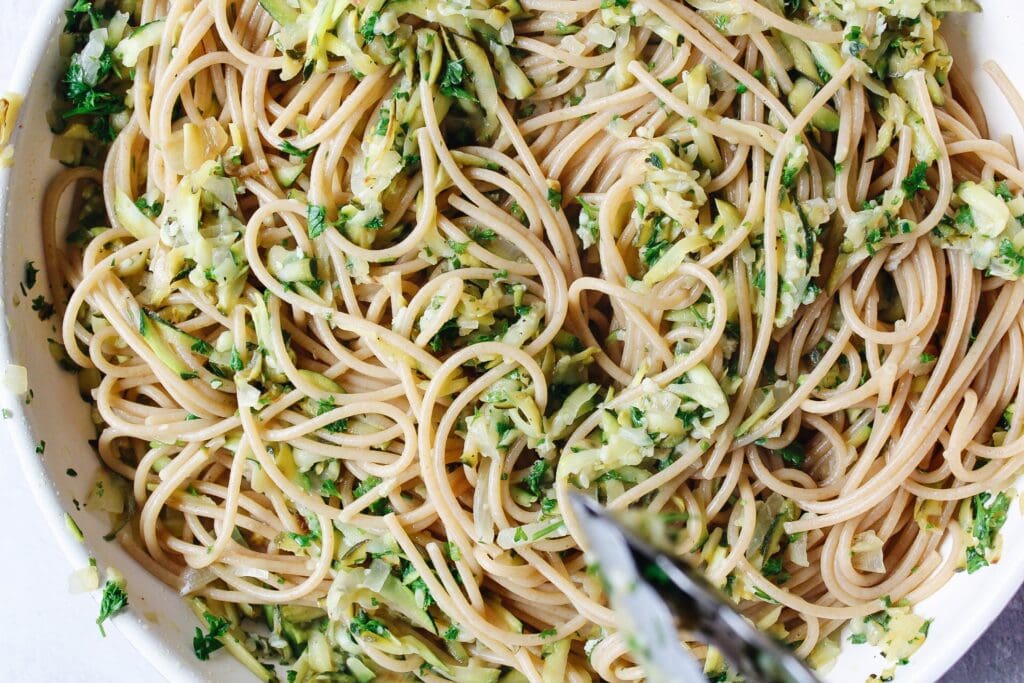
(50, 635)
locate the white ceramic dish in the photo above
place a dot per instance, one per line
(159, 624)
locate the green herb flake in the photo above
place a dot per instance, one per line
(554, 198)
(534, 478)
(291, 150)
(988, 520)
(31, 274)
(452, 79)
(206, 644)
(369, 26)
(316, 220)
(916, 181)
(114, 600)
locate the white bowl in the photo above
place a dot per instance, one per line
(159, 624)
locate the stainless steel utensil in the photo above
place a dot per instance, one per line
(654, 592)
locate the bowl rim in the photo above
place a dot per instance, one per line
(132, 626)
(958, 637)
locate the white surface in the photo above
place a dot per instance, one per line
(49, 634)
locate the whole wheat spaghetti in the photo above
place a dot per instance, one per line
(361, 290)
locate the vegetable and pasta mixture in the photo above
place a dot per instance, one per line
(359, 291)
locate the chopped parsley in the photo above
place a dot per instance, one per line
(455, 73)
(114, 600)
(363, 623)
(1002, 190)
(916, 181)
(316, 222)
(206, 644)
(31, 273)
(291, 150)
(329, 488)
(379, 507)
(554, 198)
(94, 95)
(482, 234)
(236, 360)
(74, 17)
(535, 477)
(636, 417)
(42, 307)
(789, 175)
(369, 26)
(964, 219)
(988, 520)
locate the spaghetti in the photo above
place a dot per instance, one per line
(383, 281)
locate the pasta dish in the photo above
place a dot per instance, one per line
(359, 291)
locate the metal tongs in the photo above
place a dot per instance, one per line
(654, 593)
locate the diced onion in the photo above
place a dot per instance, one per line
(867, 552)
(15, 379)
(248, 395)
(600, 34)
(194, 579)
(376, 575)
(84, 580)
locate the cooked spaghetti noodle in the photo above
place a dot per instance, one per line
(383, 281)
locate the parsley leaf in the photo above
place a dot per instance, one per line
(367, 30)
(329, 488)
(316, 222)
(153, 210)
(379, 507)
(73, 15)
(114, 600)
(236, 360)
(793, 454)
(482, 234)
(84, 90)
(362, 622)
(772, 566)
(291, 150)
(916, 180)
(43, 307)
(206, 644)
(31, 273)
(535, 477)
(554, 198)
(1002, 191)
(964, 219)
(789, 175)
(988, 520)
(451, 81)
